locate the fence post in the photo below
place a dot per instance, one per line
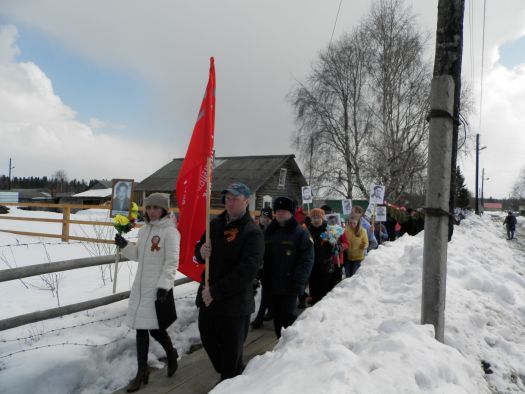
(66, 212)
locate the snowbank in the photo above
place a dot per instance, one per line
(365, 336)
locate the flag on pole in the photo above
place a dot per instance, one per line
(190, 188)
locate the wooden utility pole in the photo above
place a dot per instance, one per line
(444, 102)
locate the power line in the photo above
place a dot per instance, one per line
(471, 40)
(335, 23)
(482, 65)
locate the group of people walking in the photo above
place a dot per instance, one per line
(285, 252)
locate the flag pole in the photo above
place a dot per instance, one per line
(208, 203)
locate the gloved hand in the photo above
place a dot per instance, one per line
(162, 294)
(120, 241)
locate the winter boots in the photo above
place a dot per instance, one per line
(142, 357)
(171, 354)
(142, 361)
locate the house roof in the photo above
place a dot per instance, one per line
(95, 193)
(34, 194)
(493, 205)
(101, 184)
(254, 171)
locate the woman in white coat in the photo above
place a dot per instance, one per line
(157, 252)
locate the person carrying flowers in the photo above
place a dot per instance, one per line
(329, 244)
(157, 252)
(357, 241)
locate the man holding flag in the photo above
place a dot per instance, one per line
(232, 247)
(235, 250)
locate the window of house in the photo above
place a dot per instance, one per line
(282, 177)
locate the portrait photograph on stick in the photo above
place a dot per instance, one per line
(377, 194)
(121, 197)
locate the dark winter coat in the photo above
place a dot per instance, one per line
(510, 221)
(236, 256)
(323, 259)
(288, 258)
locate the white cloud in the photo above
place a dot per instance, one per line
(259, 48)
(8, 50)
(502, 130)
(95, 123)
(41, 133)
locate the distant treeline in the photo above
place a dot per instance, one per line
(53, 184)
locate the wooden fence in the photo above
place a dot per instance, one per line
(39, 269)
(66, 221)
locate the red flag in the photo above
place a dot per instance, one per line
(191, 183)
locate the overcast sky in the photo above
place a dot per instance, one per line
(108, 89)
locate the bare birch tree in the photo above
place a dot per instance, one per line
(400, 82)
(332, 117)
(518, 191)
(361, 113)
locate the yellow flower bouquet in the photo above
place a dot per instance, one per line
(122, 224)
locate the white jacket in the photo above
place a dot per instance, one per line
(157, 251)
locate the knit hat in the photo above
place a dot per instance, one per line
(161, 200)
(284, 203)
(327, 208)
(317, 212)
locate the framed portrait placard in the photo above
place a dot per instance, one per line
(381, 213)
(121, 193)
(306, 192)
(333, 219)
(377, 194)
(347, 206)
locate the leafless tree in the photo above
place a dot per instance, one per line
(400, 84)
(518, 191)
(50, 282)
(361, 113)
(332, 116)
(60, 177)
(96, 249)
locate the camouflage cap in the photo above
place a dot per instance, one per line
(237, 189)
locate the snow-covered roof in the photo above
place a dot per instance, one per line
(95, 193)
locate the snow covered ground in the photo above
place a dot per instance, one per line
(364, 337)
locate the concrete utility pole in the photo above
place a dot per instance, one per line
(477, 174)
(10, 168)
(444, 101)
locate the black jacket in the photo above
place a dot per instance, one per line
(323, 260)
(288, 258)
(236, 256)
(510, 221)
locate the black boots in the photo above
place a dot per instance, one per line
(257, 323)
(171, 354)
(142, 361)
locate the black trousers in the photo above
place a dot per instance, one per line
(319, 284)
(337, 276)
(265, 304)
(158, 335)
(223, 339)
(284, 308)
